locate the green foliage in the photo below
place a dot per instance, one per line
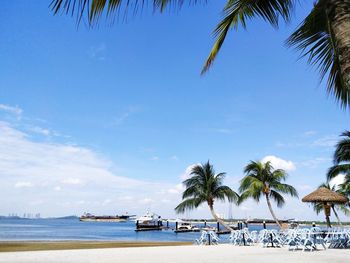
(204, 186)
(262, 179)
(96, 8)
(341, 159)
(239, 11)
(315, 39)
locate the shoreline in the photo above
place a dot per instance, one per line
(21, 246)
(224, 253)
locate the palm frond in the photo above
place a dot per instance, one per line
(189, 204)
(318, 207)
(239, 11)
(277, 197)
(342, 151)
(316, 41)
(94, 9)
(338, 169)
(286, 189)
(224, 192)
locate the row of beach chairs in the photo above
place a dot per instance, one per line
(296, 239)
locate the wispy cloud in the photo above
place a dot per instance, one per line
(326, 141)
(124, 116)
(60, 173)
(17, 111)
(222, 130)
(309, 133)
(98, 52)
(23, 184)
(40, 130)
(315, 162)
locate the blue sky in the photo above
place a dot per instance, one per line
(125, 104)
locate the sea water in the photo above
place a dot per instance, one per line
(73, 229)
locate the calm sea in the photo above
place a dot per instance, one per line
(73, 229)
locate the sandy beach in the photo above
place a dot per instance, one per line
(177, 254)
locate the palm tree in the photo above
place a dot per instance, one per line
(341, 160)
(318, 207)
(324, 35)
(263, 180)
(204, 186)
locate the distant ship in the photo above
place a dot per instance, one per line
(87, 217)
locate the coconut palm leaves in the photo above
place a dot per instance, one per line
(96, 8)
(263, 180)
(341, 158)
(237, 12)
(315, 39)
(204, 186)
(323, 36)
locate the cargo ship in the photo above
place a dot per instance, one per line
(87, 217)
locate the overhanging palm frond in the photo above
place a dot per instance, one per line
(338, 169)
(286, 189)
(224, 192)
(316, 41)
(278, 198)
(239, 11)
(342, 151)
(189, 204)
(93, 9)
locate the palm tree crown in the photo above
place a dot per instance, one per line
(204, 186)
(263, 180)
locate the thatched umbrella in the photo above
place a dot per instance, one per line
(327, 198)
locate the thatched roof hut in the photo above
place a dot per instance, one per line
(323, 194)
(327, 198)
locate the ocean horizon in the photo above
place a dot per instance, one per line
(71, 228)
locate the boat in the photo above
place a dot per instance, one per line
(87, 217)
(149, 221)
(182, 227)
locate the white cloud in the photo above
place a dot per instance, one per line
(339, 179)
(60, 174)
(146, 201)
(23, 184)
(279, 163)
(174, 158)
(177, 189)
(13, 110)
(154, 158)
(72, 181)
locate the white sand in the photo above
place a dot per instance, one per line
(178, 254)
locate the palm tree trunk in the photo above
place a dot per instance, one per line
(336, 215)
(338, 12)
(327, 213)
(222, 222)
(271, 211)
